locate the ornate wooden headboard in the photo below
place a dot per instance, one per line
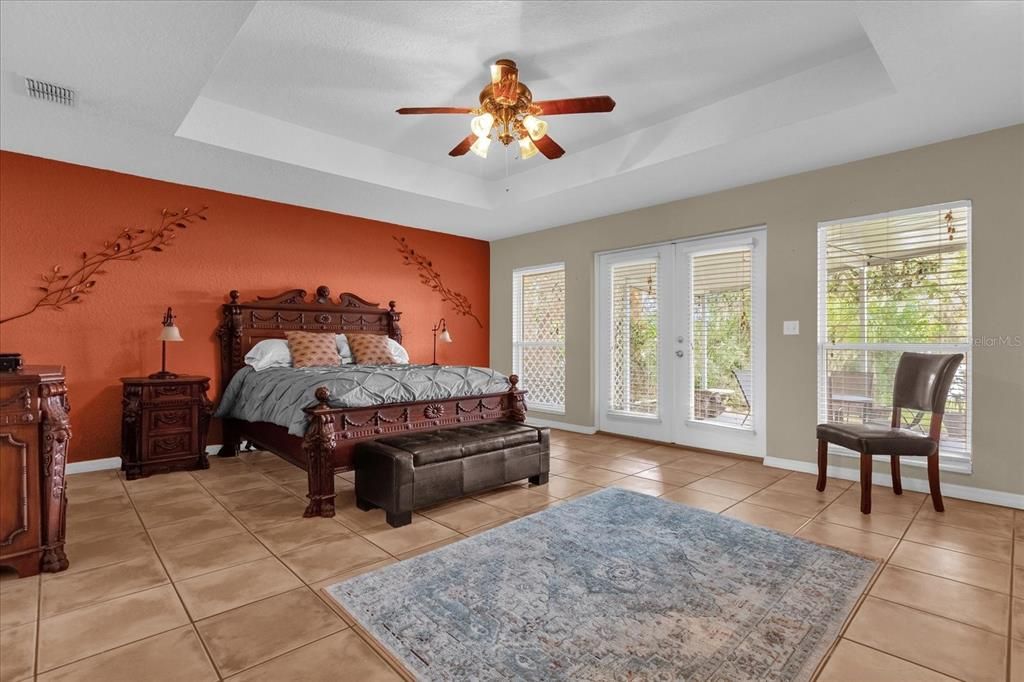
(246, 324)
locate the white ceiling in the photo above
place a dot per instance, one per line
(295, 101)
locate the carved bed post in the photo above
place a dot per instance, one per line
(394, 329)
(518, 411)
(318, 446)
(56, 434)
(230, 334)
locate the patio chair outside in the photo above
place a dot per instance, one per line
(745, 378)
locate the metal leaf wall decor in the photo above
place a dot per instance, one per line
(432, 278)
(62, 287)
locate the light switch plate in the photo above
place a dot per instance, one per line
(791, 327)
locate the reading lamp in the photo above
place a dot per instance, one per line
(441, 326)
(169, 332)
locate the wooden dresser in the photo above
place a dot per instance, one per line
(164, 424)
(34, 436)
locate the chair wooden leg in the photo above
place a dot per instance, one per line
(897, 482)
(865, 483)
(822, 464)
(933, 483)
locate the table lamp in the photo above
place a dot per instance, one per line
(441, 326)
(169, 332)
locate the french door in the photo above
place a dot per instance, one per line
(680, 331)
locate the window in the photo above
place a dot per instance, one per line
(887, 284)
(538, 335)
(721, 324)
(634, 338)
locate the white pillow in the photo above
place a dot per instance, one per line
(269, 353)
(400, 354)
(343, 350)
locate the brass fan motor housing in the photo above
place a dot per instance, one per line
(508, 118)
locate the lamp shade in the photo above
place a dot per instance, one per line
(481, 125)
(535, 127)
(445, 336)
(526, 148)
(480, 146)
(170, 333)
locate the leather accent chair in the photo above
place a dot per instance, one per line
(402, 473)
(922, 383)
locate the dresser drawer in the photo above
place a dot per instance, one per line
(164, 420)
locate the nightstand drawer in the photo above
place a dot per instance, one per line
(167, 392)
(170, 419)
(169, 446)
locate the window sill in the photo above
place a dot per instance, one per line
(956, 466)
(652, 418)
(546, 409)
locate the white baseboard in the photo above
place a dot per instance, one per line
(93, 465)
(963, 492)
(564, 426)
(112, 463)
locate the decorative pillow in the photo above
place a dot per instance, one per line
(269, 353)
(370, 349)
(313, 349)
(400, 354)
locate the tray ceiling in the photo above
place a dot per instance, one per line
(295, 101)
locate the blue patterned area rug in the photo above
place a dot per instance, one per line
(612, 586)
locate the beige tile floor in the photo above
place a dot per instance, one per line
(213, 574)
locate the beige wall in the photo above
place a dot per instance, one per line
(987, 168)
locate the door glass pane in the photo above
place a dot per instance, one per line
(634, 338)
(721, 333)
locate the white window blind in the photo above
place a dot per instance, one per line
(721, 324)
(538, 335)
(634, 337)
(888, 284)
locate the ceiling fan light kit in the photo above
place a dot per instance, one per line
(507, 107)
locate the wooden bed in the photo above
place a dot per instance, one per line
(333, 433)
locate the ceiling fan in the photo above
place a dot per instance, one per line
(507, 106)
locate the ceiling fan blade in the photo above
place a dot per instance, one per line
(434, 110)
(549, 147)
(576, 105)
(505, 81)
(463, 147)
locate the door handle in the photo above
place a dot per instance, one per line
(679, 353)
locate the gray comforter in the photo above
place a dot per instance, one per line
(277, 395)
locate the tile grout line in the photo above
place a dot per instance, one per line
(883, 563)
(188, 614)
(131, 503)
(1009, 624)
(252, 533)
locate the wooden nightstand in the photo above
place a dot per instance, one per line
(164, 424)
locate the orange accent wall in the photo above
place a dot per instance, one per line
(50, 212)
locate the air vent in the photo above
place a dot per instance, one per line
(50, 92)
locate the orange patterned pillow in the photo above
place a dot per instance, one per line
(313, 349)
(370, 349)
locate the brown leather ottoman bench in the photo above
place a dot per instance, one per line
(401, 473)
